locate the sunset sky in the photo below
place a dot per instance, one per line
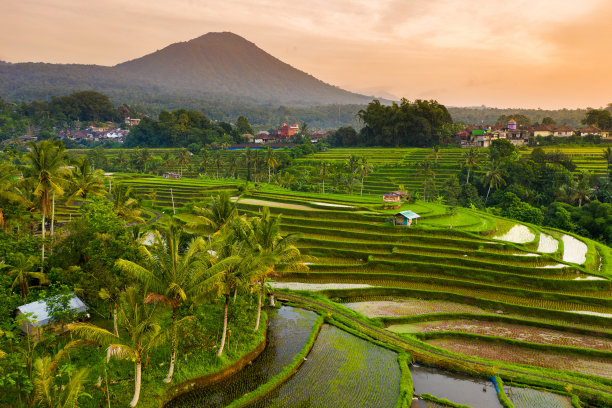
(522, 53)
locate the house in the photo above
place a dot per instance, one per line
(132, 121)
(511, 124)
(405, 218)
(172, 175)
(391, 198)
(543, 130)
(590, 130)
(564, 131)
(38, 316)
(286, 131)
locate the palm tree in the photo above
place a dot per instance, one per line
(8, 184)
(23, 269)
(323, 172)
(49, 394)
(173, 276)
(473, 160)
(121, 160)
(248, 160)
(607, 154)
(264, 239)
(271, 161)
(46, 174)
(218, 159)
(84, 181)
(364, 169)
(125, 205)
(424, 168)
(240, 265)
(183, 158)
(167, 160)
(582, 189)
(140, 333)
(352, 163)
(234, 162)
(494, 175)
(219, 212)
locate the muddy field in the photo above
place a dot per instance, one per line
(519, 355)
(409, 307)
(512, 331)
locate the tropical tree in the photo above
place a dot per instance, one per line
(219, 212)
(364, 169)
(172, 276)
(425, 170)
(23, 269)
(47, 392)
(581, 189)
(183, 158)
(84, 181)
(234, 162)
(140, 332)
(495, 177)
(274, 252)
(240, 263)
(352, 163)
(8, 187)
(45, 174)
(248, 161)
(324, 169)
(472, 159)
(271, 161)
(126, 206)
(218, 160)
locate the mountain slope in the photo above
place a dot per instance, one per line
(215, 64)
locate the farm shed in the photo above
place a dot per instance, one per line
(390, 197)
(172, 175)
(40, 316)
(405, 218)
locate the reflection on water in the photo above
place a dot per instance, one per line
(458, 388)
(287, 333)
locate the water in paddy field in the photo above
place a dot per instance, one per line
(455, 387)
(341, 370)
(287, 333)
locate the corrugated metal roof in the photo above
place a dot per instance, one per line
(409, 214)
(40, 316)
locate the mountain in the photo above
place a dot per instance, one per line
(215, 65)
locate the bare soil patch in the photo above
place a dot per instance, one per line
(519, 355)
(409, 307)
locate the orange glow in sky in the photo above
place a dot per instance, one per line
(536, 53)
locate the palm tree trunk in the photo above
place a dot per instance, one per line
(224, 326)
(468, 176)
(137, 383)
(53, 215)
(488, 191)
(115, 331)
(361, 192)
(269, 174)
(173, 350)
(323, 184)
(259, 298)
(42, 257)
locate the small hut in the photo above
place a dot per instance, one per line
(391, 198)
(405, 218)
(39, 316)
(172, 175)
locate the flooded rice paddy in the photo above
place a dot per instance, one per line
(342, 370)
(287, 333)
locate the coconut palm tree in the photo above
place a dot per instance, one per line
(247, 156)
(275, 252)
(49, 394)
(425, 169)
(8, 186)
(234, 162)
(364, 169)
(219, 212)
(140, 332)
(271, 161)
(22, 269)
(46, 173)
(85, 181)
(126, 205)
(472, 159)
(241, 265)
(218, 160)
(323, 172)
(174, 277)
(494, 175)
(183, 158)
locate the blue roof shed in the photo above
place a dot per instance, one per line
(405, 218)
(40, 316)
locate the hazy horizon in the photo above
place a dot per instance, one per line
(529, 54)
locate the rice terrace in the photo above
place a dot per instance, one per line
(458, 307)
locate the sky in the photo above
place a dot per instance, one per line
(510, 54)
